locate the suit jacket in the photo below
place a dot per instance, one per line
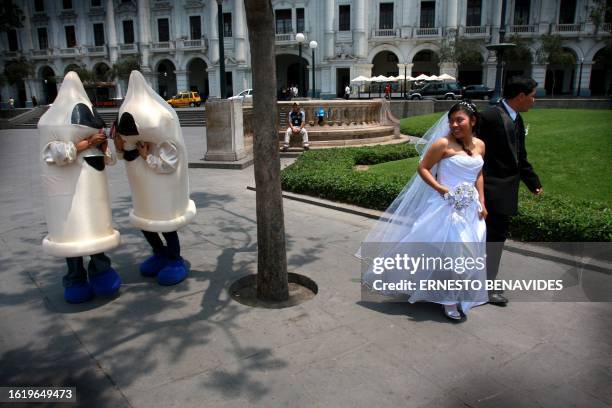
(505, 161)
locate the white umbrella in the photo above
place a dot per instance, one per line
(402, 78)
(380, 78)
(446, 77)
(360, 78)
(433, 78)
(422, 77)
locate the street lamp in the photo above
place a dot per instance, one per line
(580, 76)
(499, 50)
(221, 50)
(313, 44)
(299, 37)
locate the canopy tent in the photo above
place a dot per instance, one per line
(360, 78)
(446, 77)
(422, 77)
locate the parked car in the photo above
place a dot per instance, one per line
(183, 99)
(246, 95)
(437, 90)
(477, 92)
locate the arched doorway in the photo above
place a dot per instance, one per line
(197, 76)
(560, 76)
(385, 63)
(601, 73)
(425, 62)
(71, 67)
(288, 72)
(101, 85)
(166, 79)
(49, 84)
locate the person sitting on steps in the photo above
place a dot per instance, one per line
(297, 123)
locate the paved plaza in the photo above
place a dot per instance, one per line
(191, 345)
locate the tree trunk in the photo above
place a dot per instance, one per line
(271, 254)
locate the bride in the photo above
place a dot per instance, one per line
(442, 206)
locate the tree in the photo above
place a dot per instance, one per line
(599, 13)
(85, 75)
(551, 52)
(123, 68)
(11, 15)
(522, 51)
(18, 70)
(460, 51)
(272, 279)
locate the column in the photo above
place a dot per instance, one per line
(240, 23)
(213, 82)
(538, 73)
(213, 36)
(181, 80)
(144, 30)
(111, 29)
(490, 68)
(452, 13)
(359, 33)
(585, 80)
(330, 8)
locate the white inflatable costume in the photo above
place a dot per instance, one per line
(160, 185)
(77, 206)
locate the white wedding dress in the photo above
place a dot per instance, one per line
(443, 222)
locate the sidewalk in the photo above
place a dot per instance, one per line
(192, 346)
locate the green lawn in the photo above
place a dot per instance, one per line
(567, 148)
(406, 166)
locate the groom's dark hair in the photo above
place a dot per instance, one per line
(518, 85)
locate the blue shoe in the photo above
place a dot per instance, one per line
(153, 265)
(78, 293)
(105, 284)
(173, 273)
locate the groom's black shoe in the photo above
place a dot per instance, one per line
(498, 299)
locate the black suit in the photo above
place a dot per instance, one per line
(505, 165)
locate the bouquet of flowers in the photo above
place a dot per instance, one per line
(462, 196)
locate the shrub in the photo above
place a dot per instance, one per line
(329, 174)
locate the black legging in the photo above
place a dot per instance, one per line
(173, 248)
(76, 271)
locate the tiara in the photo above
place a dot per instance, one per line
(469, 105)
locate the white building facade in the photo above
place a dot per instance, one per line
(177, 42)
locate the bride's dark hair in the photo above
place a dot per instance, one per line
(467, 107)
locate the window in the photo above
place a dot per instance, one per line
(195, 27)
(474, 8)
(386, 16)
(98, 34)
(227, 25)
(567, 14)
(428, 14)
(67, 4)
(283, 21)
(12, 40)
(96, 3)
(521, 12)
(163, 30)
(70, 36)
(299, 20)
(128, 31)
(39, 5)
(344, 18)
(43, 39)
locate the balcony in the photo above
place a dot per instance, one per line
(42, 54)
(523, 29)
(606, 27)
(164, 46)
(385, 33)
(566, 28)
(285, 38)
(427, 32)
(128, 48)
(13, 54)
(96, 50)
(475, 31)
(69, 52)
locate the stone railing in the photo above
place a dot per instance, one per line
(337, 113)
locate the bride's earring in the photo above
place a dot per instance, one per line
(451, 312)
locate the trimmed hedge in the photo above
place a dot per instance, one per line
(329, 174)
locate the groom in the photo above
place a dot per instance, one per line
(505, 165)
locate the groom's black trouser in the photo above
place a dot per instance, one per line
(497, 231)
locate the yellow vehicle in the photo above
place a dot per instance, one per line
(183, 99)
